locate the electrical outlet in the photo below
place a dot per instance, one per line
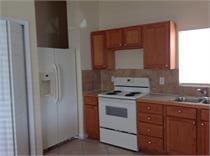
(162, 81)
(112, 79)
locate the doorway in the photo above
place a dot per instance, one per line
(16, 137)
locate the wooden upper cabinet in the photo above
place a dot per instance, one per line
(181, 136)
(98, 50)
(124, 38)
(132, 37)
(51, 24)
(159, 43)
(101, 57)
(114, 39)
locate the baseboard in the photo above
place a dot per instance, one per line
(81, 136)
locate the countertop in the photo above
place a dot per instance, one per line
(93, 92)
(157, 98)
(169, 100)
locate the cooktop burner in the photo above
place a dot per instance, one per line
(132, 93)
(115, 92)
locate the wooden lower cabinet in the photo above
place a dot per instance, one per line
(173, 129)
(150, 128)
(91, 117)
(91, 121)
(180, 136)
(203, 133)
(204, 139)
(150, 144)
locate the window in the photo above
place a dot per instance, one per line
(194, 57)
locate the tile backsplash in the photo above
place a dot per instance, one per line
(101, 80)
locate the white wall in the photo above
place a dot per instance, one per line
(79, 38)
(209, 14)
(24, 10)
(187, 15)
(129, 59)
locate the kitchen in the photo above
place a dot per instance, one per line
(106, 60)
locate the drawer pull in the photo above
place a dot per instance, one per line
(148, 130)
(148, 118)
(179, 111)
(148, 108)
(149, 142)
(202, 124)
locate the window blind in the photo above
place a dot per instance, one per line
(6, 126)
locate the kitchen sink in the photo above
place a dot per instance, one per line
(202, 100)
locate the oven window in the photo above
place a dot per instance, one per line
(116, 111)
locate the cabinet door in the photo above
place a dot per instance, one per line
(204, 138)
(114, 39)
(99, 57)
(180, 136)
(156, 42)
(132, 37)
(92, 121)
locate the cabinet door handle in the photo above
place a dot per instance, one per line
(120, 44)
(179, 111)
(148, 118)
(149, 142)
(202, 124)
(148, 108)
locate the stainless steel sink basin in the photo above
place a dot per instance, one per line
(203, 100)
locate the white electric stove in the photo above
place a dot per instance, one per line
(117, 111)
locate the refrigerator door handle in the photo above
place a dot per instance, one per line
(59, 83)
(56, 95)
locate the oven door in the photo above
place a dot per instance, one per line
(118, 114)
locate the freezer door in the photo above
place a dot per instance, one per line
(67, 105)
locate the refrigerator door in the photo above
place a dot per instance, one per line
(65, 59)
(48, 103)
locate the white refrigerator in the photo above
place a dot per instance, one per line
(58, 86)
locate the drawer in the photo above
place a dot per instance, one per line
(150, 118)
(205, 114)
(90, 100)
(150, 143)
(150, 108)
(183, 112)
(150, 129)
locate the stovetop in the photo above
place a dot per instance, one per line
(122, 94)
(128, 88)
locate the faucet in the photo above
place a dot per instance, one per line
(203, 91)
